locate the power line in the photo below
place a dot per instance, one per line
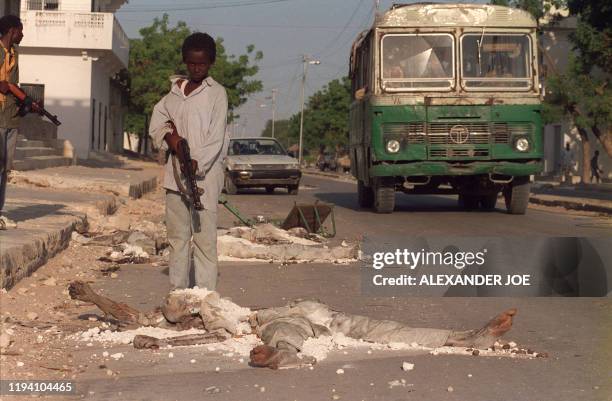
(202, 7)
(333, 42)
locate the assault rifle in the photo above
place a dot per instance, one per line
(27, 104)
(184, 157)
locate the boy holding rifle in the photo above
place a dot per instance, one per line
(11, 30)
(190, 122)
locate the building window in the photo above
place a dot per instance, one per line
(93, 122)
(51, 5)
(36, 92)
(105, 119)
(99, 124)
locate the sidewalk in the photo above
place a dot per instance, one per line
(588, 197)
(49, 204)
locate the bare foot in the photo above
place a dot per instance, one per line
(486, 336)
(264, 356)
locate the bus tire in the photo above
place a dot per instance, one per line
(293, 189)
(365, 195)
(384, 197)
(468, 202)
(516, 195)
(488, 202)
(229, 186)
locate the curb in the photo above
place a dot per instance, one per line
(572, 204)
(21, 260)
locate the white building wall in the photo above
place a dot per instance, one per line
(67, 80)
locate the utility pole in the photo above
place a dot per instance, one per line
(273, 109)
(305, 61)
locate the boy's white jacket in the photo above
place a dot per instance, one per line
(201, 119)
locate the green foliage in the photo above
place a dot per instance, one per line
(157, 55)
(326, 117)
(537, 8)
(593, 35)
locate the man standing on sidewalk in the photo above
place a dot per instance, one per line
(197, 107)
(11, 30)
(595, 170)
(567, 164)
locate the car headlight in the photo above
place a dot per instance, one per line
(522, 144)
(293, 166)
(393, 146)
(241, 167)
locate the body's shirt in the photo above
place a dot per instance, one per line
(9, 72)
(200, 118)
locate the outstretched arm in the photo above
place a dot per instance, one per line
(122, 312)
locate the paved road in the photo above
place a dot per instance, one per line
(574, 331)
(419, 215)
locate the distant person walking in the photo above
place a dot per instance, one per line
(595, 170)
(567, 164)
(11, 30)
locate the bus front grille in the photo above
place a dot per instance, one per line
(410, 133)
(440, 134)
(458, 153)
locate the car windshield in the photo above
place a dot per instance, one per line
(495, 61)
(255, 147)
(414, 62)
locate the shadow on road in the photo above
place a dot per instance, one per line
(403, 203)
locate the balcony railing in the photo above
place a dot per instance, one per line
(75, 30)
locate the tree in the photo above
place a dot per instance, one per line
(583, 92)
(157, 55)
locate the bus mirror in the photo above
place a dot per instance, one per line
(360, 94)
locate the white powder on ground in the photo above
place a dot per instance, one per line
(126, 337)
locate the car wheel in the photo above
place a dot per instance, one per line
(229, 186)
(365, 195)
(384, 196)
(516, 195)
(293, 189)
(270, 190)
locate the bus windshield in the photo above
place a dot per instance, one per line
(417, 62)
(495, 61)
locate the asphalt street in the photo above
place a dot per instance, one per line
(574, 332)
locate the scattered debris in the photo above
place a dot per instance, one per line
(50, 282)
(80, 239)
(32, 315)
(340, 371)
(117, 356)
(406, 366)
(450, 389)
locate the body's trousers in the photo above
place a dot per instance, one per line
(8, 143)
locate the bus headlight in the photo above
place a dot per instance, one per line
(393, 146)
(522, 144)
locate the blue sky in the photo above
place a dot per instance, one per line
(282, 29)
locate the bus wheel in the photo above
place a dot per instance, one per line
(488, 202)
(365, 196)
(384, 196)
(468, 202)
(516, 195)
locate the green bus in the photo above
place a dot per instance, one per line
(446, 100)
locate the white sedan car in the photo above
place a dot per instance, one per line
(260, 162)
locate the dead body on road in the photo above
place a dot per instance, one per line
(283, 330)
